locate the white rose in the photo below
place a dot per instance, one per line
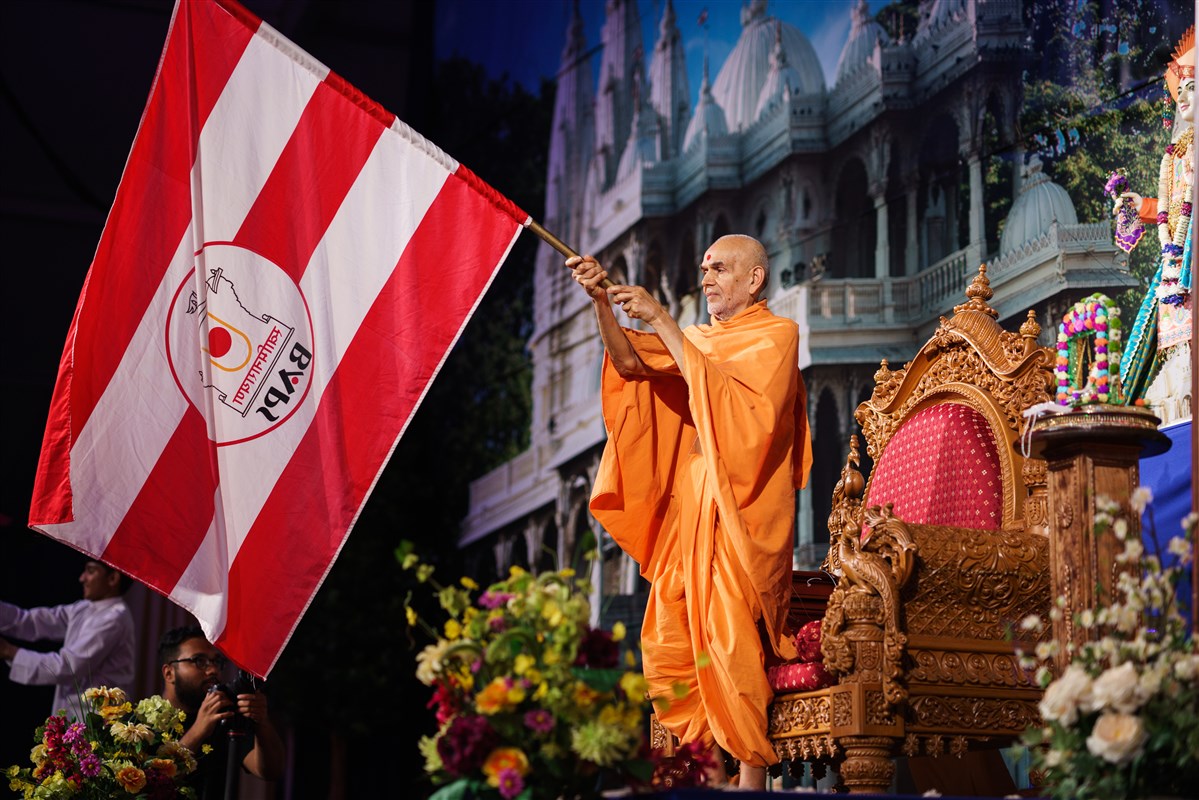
(1053, 758)
(1187, 667)
(1063, 696)
(1118, 688)
(1117, 738)
(428, 662)
(1141, 497)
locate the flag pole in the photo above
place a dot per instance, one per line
(559, 245)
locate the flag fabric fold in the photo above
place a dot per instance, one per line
(283, 271)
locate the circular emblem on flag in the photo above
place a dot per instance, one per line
(239, 342)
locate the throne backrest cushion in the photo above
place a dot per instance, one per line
(941, 467)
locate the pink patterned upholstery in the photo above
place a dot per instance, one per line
(807, 642)
(796, 677)
(808, 673)
(942, 468)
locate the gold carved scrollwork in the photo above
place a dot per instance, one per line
(798, 714)
(872, 576)
(806, 748)
(842, 710)
(981, 714)
(878, 710)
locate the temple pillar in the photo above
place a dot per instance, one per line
(911, 251)
(977, 245)
(882, 248)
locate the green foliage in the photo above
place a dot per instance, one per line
(1092, 106)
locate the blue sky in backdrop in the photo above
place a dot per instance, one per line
(524, 38)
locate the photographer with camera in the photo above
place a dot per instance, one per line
(231, 717)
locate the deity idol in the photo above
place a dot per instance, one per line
(1157, 356)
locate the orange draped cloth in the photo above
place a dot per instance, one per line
(697, 484)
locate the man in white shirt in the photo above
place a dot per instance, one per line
(97, 636)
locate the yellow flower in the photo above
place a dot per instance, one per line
(410, 612)
(516, 695)
(542, 690)
(567, 573)
(515, 571)
(618, 632)
(132, 734)
(551, 657)
(205, 749)
(585, 696)
(503, 758)
(468, 583)
(634, 686)
(522, 663)
(453, 629)
(533, 675)
(38, 754)
(132, 779)
(115, 712)
(110, 696)
(552, 614)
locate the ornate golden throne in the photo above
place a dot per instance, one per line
(935, 568)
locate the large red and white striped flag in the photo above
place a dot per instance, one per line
(283, 271)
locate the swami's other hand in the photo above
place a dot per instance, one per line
(636, 302)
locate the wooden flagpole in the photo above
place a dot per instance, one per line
(559, 245)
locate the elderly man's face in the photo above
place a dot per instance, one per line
(728, 279)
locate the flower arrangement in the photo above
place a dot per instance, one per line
(1096, 316)
(1129, 228)
(1120, 721)
(530, 699)
(116, 750)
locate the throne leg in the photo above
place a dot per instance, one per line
(868, 767)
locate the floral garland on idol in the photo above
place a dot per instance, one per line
(1177, 217)
(115, 750)
(1095, 317)
(530, 701)
(1120, 721)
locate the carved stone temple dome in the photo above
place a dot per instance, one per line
(864, 34)
(708, 119)
(739, 84)
(1041, 202)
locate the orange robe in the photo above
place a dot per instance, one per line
(697, 484)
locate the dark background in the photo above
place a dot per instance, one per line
(74, 77)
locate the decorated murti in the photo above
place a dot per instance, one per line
(1157, 363)
(1089, 353)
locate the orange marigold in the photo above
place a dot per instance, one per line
(503, 758)
(132, 779)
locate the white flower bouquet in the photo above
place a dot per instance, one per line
(1122, 720)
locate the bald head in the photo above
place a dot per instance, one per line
(735, 274)
(751, 254)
